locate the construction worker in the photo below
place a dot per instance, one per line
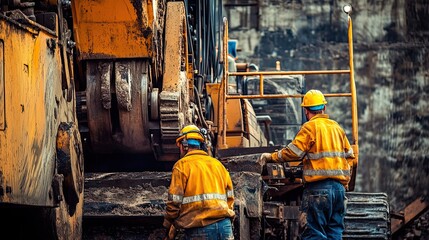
(324, 149)
(200, 197)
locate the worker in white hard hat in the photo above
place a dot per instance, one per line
(324, 149)
(200, 197)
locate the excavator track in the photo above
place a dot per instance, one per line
(367, 216)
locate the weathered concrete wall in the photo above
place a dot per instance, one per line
(391, 58)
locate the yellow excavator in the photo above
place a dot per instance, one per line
(93, 95)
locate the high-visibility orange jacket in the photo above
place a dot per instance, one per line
(200, 192)
(324, 149)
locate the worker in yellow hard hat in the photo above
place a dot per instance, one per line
(200, 197)
(324, 149)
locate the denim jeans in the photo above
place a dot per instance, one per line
(221, 230)
(323, 207)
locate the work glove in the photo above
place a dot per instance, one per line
(264, 158)
(170, 231)
(171, 234)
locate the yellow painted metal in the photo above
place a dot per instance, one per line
(2, 106)
(113, 28)
(235, 121)
(274, 73)
(355, 142)
(261, 75)
(232, 119)
(270, 96)
(355, 134)
(213, 90)
(242, 129)
(234, 124)
(33, 105)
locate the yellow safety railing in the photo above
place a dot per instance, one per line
(352, 94)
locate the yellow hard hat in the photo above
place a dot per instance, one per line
(190, 132)
(314, 99)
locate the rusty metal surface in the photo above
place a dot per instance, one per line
(279, 212)
(418, 228)
(123, 82)
(70, 162)
(410, 212)
(105, 69)
(120, 126)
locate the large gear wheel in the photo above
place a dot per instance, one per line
(174, 97)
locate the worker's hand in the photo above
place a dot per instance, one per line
(264, 158)
(172, 232)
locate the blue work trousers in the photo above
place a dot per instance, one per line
(221, 230)
(323, 208)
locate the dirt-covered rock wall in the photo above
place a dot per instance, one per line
(391, 59)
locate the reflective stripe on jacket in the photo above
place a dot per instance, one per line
(200, 192)
(324, 148)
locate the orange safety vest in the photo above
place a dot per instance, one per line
(324, 149)
(200, 192)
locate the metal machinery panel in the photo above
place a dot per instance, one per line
(33, 99)
(2, 104)
(108, 29)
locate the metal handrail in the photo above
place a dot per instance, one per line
(224, 93)
(262, 95)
